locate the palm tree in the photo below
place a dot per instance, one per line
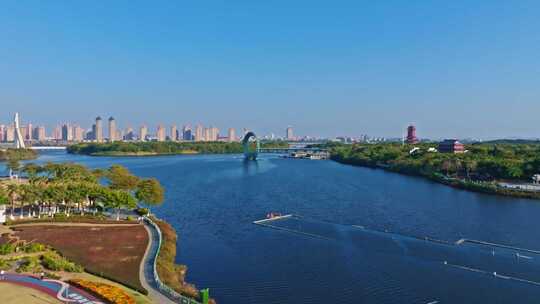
(12, 190)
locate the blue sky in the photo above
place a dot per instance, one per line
(454, 68)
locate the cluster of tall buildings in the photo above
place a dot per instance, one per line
(162, 133)
(109, 131)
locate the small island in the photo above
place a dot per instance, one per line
(502, 167)
(152, 148)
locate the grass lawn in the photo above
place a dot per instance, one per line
(14, 294)
(113, 252)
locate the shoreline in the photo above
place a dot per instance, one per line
(471, 186)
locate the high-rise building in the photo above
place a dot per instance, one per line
(289, 133)
(28, 132)
(160, 134)
(186, 133)
(199, 136)
(39, 133)
(206, 135)
(112, 129)
(2, 133)
(129, 134)
(57, 133)
(212, 135)
(143, 133)
(23, 132)
(99, 130)
(78, 133)
(67, 132)
(10, 133)
(411, 135)
(232, 135)
(174, 133)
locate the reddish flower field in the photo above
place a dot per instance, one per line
(113, 252)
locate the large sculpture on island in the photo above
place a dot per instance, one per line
(19, 140)
(251, 146)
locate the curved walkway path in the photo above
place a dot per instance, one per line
(56, 289)
(146, 271)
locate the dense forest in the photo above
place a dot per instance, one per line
(482, 162)
(164, 148)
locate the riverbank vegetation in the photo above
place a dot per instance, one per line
(163, 148)
(17, 154)
(480, 169)
(60, 190)
(170, 273)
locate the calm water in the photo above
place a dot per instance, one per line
(212, 201)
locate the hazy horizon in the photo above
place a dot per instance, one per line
(460, 69)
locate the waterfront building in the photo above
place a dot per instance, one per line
(39, 133)
(289, 135)
(57, 133)
(199, 136)
(411, 135)
(78, 133)
(112, 129)
(23, 132)
(451, 146)
(10, 133)
(67, 133)
(129, 134)
(214, 134)
(160, 134)
(174, 133)
(99, 130)
(2, 133)
(187, 133)
(143, 133)
(206, 136)
(232, 135)
(28, 132)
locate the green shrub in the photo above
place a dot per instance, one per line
(130, 218)
(4, 264)
(55, 262)
(30, 264)
(34, 247)
(7, 248)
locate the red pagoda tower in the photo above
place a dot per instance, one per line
(411, 135)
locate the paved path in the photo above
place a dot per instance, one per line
(56, 289)
(146, 270)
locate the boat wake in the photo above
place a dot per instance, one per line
(496, 260)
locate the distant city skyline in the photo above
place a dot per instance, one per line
(459, 70)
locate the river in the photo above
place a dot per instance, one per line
(212, 201)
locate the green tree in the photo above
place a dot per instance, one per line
(121, 179)
(150, 192)
(118, 199)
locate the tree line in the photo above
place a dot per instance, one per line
(166, 147)
(483, 162)
(68, 188)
